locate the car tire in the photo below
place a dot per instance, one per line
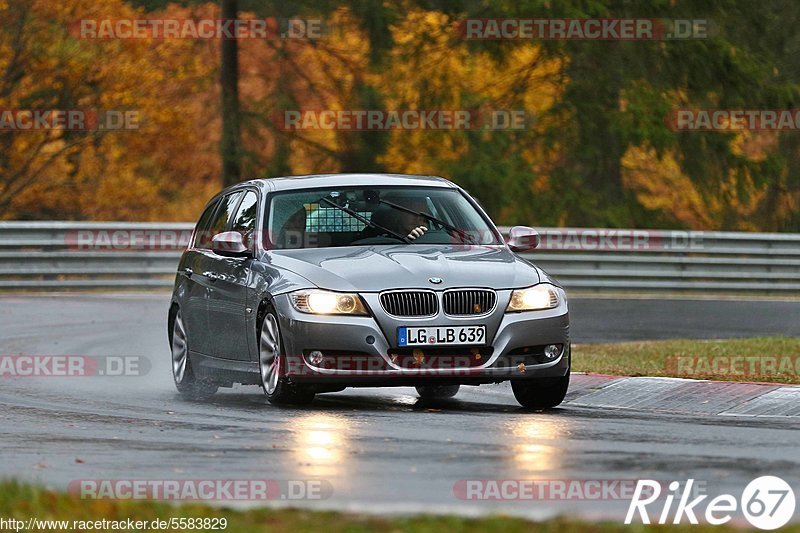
(540, 394)
(186, 381)
(271, 364)
(437, 392)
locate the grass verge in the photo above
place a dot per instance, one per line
(765, 359)
(21, 502)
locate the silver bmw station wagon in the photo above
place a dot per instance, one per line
(312, 284)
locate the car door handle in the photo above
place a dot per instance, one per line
(212, 275)
(188, 271)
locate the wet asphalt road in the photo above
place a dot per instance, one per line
(614, 320)
(376, 450)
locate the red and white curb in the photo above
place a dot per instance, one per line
(687, 396)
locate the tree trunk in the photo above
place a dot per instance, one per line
(231, 139)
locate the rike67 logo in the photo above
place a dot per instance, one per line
(768, 502)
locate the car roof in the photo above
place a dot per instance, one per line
(318, 181)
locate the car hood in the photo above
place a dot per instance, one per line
(381, 267)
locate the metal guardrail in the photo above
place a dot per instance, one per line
(133, 255)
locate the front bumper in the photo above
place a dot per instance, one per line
(359, 350)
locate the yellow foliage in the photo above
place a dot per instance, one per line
(432, 68)
(139, 175)
(661, 186)
(170, 165)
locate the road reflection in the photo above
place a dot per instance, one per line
(320, 444)
(535, 443)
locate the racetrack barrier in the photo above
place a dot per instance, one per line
(121, 255)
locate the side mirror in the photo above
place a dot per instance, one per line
(523, 239)
(229, 244)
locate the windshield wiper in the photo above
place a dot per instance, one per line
(446, 225)
(365, 220)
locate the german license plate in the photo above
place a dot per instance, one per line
(441, 336)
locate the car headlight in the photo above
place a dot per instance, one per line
(542, 296)
(321, 302)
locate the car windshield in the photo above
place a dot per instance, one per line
(354, 216)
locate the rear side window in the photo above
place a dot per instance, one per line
(223, 214)
(201, 230)
(214, 220)
(245, 220)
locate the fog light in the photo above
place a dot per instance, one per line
(551, 351)
(315, 357)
